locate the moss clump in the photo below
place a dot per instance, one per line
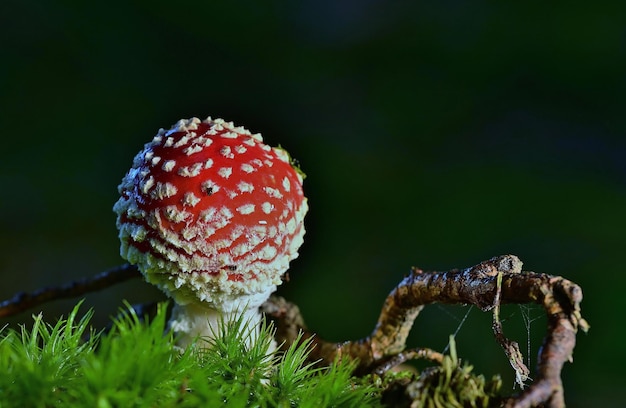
(450, 384)
(136, 365)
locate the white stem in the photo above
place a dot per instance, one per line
(192, 321)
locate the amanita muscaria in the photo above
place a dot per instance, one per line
(212, 216)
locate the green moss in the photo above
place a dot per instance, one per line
(450, 384)
(136, 364)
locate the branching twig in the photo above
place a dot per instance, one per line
(23, 301)
(480, 285)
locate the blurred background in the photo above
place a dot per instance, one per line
(432, 135)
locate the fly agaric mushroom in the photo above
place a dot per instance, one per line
(212, 216)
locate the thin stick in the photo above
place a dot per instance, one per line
(510, 347)
(407, 355)
(24, 301)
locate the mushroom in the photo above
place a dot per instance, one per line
(212, 216)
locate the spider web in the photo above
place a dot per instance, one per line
(519, 321)
(526, 312)
(459, 326)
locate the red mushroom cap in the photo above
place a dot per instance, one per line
(209, 212)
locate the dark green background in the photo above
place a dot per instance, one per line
(432, 135)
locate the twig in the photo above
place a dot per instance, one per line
(407, 355)
(510, 347)
(24, 301)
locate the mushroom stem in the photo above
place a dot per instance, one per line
(197, 321)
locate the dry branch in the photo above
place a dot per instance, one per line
(486, 285)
